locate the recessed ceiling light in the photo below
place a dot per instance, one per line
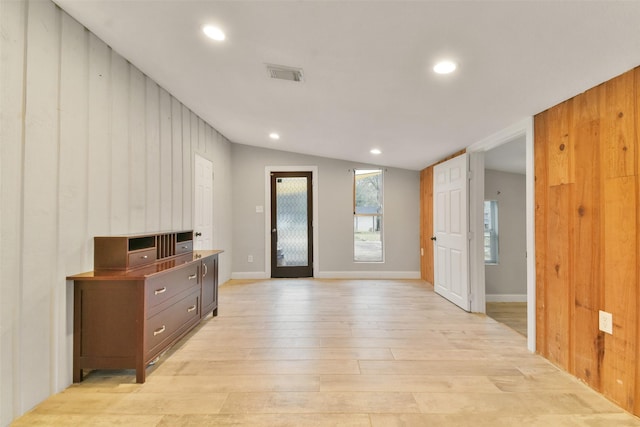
(445, 67)
(375, 151)
(214, 33)
(274, 136)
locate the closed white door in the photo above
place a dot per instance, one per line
(451, 231)
(203, 204)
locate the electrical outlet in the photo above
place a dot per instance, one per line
(250, 258)
(605, 322)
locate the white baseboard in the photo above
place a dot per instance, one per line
(250, 275)
(506, 297)
(257, 275)
(368, 275)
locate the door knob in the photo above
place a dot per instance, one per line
(198, 234)
(434, 238)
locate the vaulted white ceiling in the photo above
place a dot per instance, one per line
(368, 79)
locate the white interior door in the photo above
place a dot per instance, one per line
(451, 231)
(203, 204)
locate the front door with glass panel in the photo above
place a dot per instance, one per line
(291, 224)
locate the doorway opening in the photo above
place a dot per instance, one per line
(505, 234)
(522, 131)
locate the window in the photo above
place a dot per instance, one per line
(490, 231)
(367, 215)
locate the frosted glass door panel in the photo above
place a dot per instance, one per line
(291, 222)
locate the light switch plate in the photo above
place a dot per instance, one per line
(605, 322)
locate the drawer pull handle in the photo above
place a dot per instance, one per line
(160, 291)
(144, 256)
(185, 247)
(190, 309)
(192, 276)
(159, 331)
(206, 270)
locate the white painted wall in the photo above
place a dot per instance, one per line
(335, 215)
(507, 280)
(90, 146)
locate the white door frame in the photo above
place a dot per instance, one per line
(267, 214)
(518, 130)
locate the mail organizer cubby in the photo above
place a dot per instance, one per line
(133, 251)
(146, 293)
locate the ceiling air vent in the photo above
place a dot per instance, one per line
(285, 73)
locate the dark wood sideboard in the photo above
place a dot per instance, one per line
(147, 291)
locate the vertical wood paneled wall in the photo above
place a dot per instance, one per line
(426, 224)
(89, 146)
(426, 219)
(587, 235)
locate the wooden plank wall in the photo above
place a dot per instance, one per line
(587, 236)
(426, 219)
(90, 146)
(426, 224)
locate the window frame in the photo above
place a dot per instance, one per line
(378, 214)
(491, 232)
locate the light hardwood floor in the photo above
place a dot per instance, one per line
(512, 314)
(333, 352)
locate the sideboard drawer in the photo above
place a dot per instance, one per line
(171, 322)
(161, 289)
(184, 247)
(140, 258)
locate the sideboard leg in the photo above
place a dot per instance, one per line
(140, 375)
(77, 375)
